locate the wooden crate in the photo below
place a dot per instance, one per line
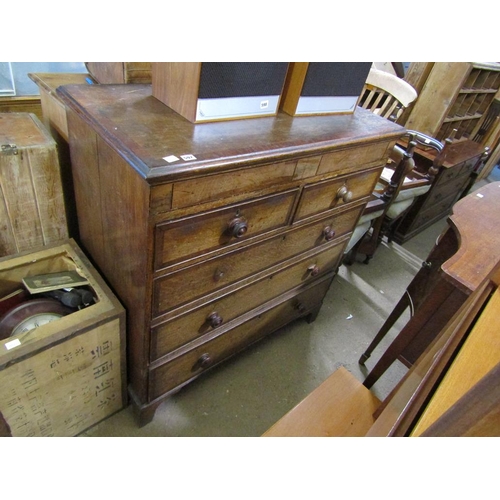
(65, 376)
(32, 208)
(54, 119)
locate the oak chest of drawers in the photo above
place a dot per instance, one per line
(213, 235)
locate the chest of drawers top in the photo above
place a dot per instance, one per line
(163, 146)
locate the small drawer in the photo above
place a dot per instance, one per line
(221, 271)
(355, 158)
(437, 210)
(183, 329)
(190, 365)
(439, 193)
(214, 187)
(468, 166)
(448, 174)
(191, 236)
(338, 192)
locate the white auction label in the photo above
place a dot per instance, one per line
(171, 159)
(12, 344)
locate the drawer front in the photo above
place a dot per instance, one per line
(182, 369)
(337, 192)
(192, 236)
(448, 174)
(214, 187)
(438, 210)
(183, 329)
(468, 166)
(353, 159)
(440, 193)
(199, 280)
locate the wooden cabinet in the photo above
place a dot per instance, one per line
(120, 72)
(449, 185)
(213, 235)
(455, 96)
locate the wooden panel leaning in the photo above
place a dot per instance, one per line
(32, 208)
(66, 375)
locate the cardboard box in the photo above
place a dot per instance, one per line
(65, 376)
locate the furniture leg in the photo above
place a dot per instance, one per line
(401, 306)
(430, 314)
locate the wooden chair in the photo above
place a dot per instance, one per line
(386, 95)
(399, 186)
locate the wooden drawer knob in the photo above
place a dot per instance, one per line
(313, 270)
(328, 233)
(215, 320)
(344, 194)
(238, 227)
(301, 308)
(204, 361)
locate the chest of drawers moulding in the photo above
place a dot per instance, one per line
(181, 216)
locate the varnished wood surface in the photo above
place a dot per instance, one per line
(160, 237)
(479, 355)
(146, 131)
(50, 81)
(120, 72)
(340, 407)
(21, 104)
(475, 220)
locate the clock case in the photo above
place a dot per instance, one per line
(67, 375)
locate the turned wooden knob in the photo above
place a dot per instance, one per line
(328, 233)
(313, 270)
(238, 227)
(215, 320)
(344, 194)
(204, 361)
(301, 308)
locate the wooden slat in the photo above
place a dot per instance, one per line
(340, 407)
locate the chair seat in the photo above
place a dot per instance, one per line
(362, 227)
(404, 200)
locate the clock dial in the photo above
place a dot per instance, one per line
(30, 315)
(34, 322)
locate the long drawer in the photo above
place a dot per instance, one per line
(219, 272)
(439, 193)
(338, 192)
(193, 363)
(191, 236)
(172, 334)
(438, 210)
